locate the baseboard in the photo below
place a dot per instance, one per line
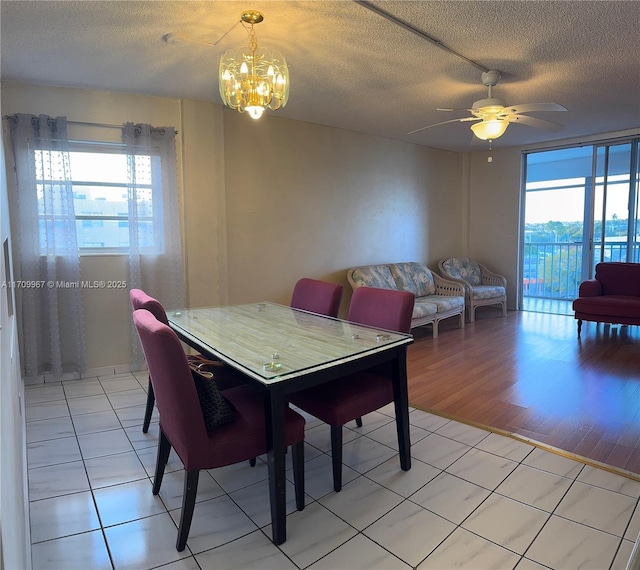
(89, 373)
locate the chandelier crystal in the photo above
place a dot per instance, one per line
(253, 79)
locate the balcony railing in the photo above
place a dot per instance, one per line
(554, 270)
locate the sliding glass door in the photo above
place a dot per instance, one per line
(615, 215)
(580, 208)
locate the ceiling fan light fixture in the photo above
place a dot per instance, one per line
(491, 116)
(252, 80)
(490, 129)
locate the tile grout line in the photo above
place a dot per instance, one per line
(93, 497)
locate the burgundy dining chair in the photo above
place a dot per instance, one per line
(141, 300)
(182, 425)
(354, 396)
(317, 296)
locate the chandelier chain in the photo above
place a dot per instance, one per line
(253, 40)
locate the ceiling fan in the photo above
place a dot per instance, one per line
(492, 116)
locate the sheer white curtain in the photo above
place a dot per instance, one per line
(47, 268)
(155, 258)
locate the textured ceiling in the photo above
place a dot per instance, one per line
(350, 67)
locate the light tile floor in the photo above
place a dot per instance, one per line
(472, 499)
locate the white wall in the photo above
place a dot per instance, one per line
(493, 210)
(308, 200)
(205, 217)
(15, 549)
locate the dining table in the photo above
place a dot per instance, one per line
(280, 350)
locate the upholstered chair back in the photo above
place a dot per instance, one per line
(317, 296)
(414, 277)
(619, 278)
(378, 276)
(176, 395)
(464, 268)
(382, 308)
(140, 300)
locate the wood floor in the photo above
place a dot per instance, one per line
(528, 374)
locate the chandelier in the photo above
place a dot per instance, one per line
(253, 80)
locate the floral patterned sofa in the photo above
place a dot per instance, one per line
(482, 287)
(436, 297)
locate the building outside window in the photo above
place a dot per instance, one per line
(99, 174)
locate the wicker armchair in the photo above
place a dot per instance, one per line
(482, 287)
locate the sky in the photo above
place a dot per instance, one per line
(566, 204)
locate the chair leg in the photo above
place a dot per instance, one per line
(336, 457)
(297, 455)
(252, 462)
(188, 504)
(151, 399)
(164, 448)
(579, 326)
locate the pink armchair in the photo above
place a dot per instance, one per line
(612, 296)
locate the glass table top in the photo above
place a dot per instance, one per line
(274, 342)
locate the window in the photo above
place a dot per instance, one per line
(582, 206)
(100, 182)
(73, 197)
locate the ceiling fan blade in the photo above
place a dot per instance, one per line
(533, 107)
(445, 122)
(451, 109)
(537, 123)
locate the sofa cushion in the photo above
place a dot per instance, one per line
(378, 276)
(487, 291)
(443, 302)
(608, 306)
(414, 277)
(464, 268)
(619, 278)
(423, 309)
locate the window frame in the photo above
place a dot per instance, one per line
(103, 147)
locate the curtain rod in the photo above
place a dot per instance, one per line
(101, 125)
(109, 125)
(85, 123)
